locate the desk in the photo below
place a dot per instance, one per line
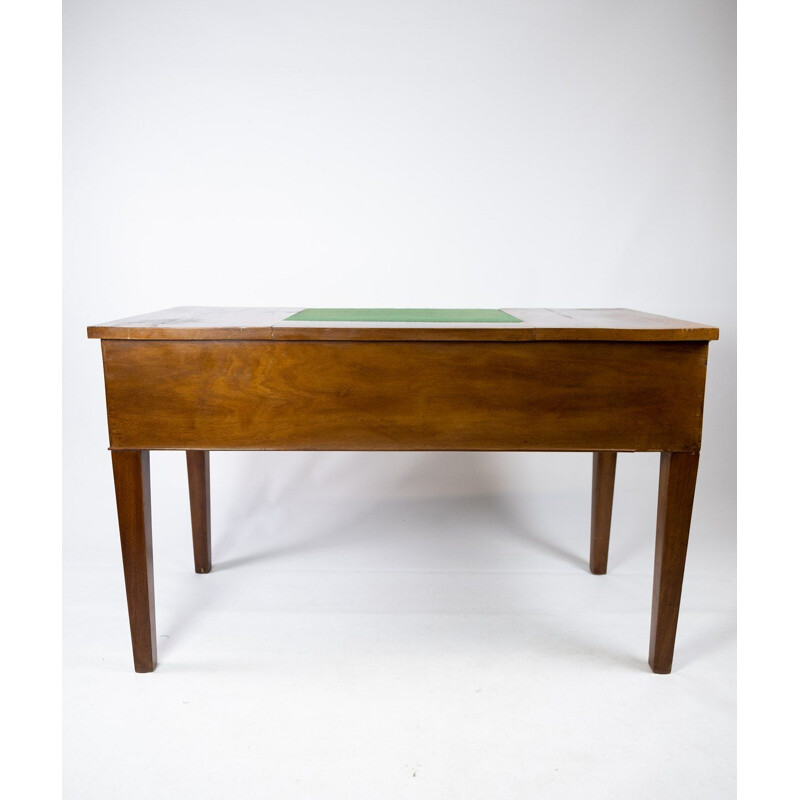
(590, 380)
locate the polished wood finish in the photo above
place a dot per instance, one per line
(132, 483)
(675, 498)
(405, 395)
(537, 324)
(197, 464)
(596, 380)
(604, 467)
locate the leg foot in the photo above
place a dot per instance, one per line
(132, 483)
(675, 498)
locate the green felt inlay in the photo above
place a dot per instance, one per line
(402, 315)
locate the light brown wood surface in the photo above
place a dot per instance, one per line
(538, 324)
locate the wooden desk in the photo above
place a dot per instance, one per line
(591, 380)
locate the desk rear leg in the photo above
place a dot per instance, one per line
(197, 463)
(604, 467)
(132, 484)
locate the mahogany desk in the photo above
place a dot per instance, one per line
(591, 380)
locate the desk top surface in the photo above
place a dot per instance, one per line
(349, 324)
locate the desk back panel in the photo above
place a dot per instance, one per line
(296, 395)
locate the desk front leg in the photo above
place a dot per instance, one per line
(132, 483)
(675, 497)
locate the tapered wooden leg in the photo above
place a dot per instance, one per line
(200, 501)
(604, 467)
(132, 483)
(675, 498)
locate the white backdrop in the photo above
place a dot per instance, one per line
(437, 154)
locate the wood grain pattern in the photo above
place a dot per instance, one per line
(604, 466)
(677, 479)
(132, 484)
(197, 466)
(404, 395)
(538, 324)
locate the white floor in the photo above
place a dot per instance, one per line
(388, 642)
